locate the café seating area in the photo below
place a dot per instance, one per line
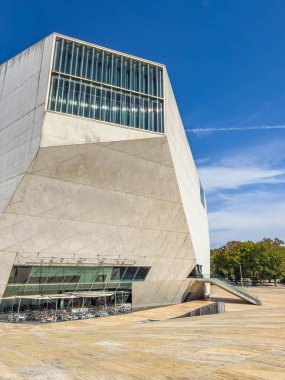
(48, 316)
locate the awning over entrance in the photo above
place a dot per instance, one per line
(92, 294)
(41, 297)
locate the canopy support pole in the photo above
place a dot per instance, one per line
(20, 299)
(55, 318)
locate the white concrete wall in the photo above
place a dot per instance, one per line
(23, 89)
(63, 129)
(187, 178)
(114, 198)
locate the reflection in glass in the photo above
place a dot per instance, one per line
(77, 97)
(106, 67)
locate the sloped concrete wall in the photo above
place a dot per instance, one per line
(23, 89)
(111, 199)
(63, 129)
(187, 178)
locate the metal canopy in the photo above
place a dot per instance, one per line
(92, 294)
(40, 297)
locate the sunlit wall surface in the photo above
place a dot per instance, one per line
(93, 83)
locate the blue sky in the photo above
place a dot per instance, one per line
(226, 60)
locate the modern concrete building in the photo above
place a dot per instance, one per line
(98, 187)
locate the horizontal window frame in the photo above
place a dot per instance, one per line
(92, 56)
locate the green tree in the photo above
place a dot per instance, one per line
(271, 265)
(250, 261)
(264, 260)
(225, 260)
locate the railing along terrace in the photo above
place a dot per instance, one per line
(73, 261)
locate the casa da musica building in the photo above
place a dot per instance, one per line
(98, 187)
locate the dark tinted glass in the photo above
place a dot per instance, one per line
(142, 273)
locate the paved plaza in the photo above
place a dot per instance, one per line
(247, 342)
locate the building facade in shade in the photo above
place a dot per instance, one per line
(98, 187)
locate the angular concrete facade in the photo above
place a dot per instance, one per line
(73, 186)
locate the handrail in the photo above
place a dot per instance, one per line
(238, 290)
(232, 287)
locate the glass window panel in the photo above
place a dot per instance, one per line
(202, 195)
(130, 273)
(141, 273)
(126, 286)
(160, 85)
(99, 65)
(118, 273)
(100, 278)
(98, 286)
(103, 103)
(83, 61)
(56, 55)
(111, 286)
(102, 66)
(20, 275)
(154, 105)
(52, 93)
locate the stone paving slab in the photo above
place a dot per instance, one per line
(247, 342)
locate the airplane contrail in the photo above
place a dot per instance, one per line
(199, 131)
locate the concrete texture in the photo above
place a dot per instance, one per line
(187, 178)
(23, 91)
(112, 199)
(245, 343)
(63, 129)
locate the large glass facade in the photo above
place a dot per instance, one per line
(93, 83)
(105, 67)
(76, 97)
(53, 279)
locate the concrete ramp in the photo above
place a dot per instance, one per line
(231, 289)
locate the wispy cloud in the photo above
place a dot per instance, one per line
(200, 161)
(201, 131)
(232, 177)
(249, 216)
(258, 164)
(245, 193)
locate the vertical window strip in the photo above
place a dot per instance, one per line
(68, 96)
(52, 92)
(83, 59)
(56, 55)
(61, 53)
(88, 100)
(121, 71)
(61, 91)
(103, 66)
(90, 63)
(65, 57)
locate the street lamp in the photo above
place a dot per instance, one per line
(240, 274)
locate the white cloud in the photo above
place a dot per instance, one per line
(206, 131)
(231, 177)
(200, 161)
(241, 212)
(249, 216)
(255, 165)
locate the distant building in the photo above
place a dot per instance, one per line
(98, 187)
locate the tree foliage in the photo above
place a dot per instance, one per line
(260, 261)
